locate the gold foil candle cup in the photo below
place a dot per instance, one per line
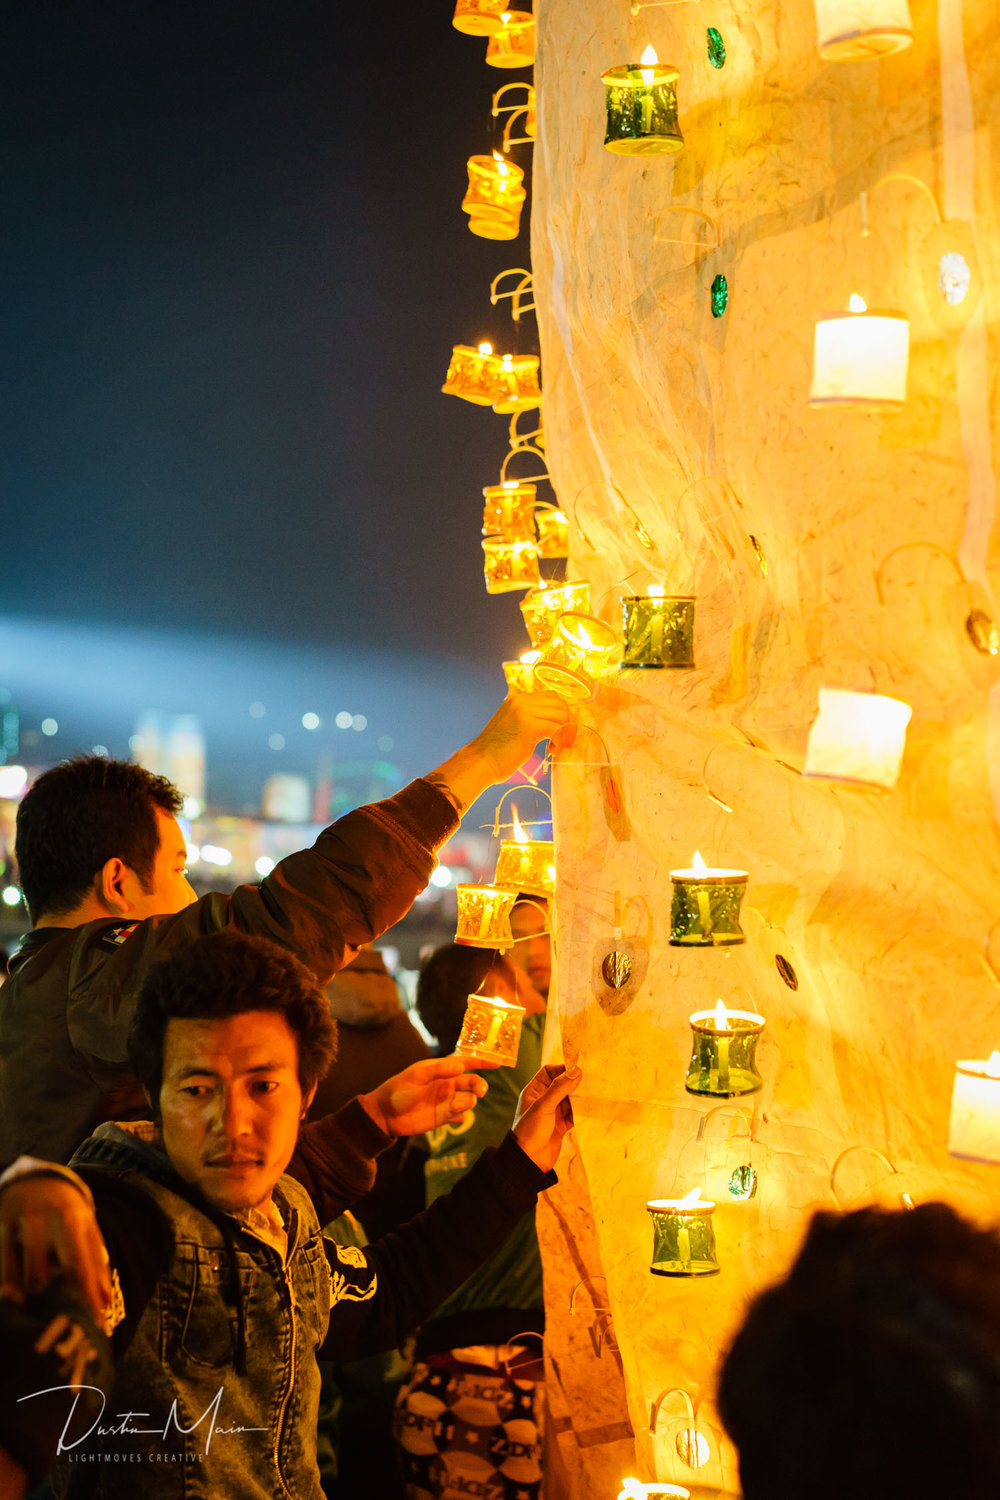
(472, 374)
(509, 511)
(491, 1030)
(658, 630)
(683, 1236)
(553, 532)
(724, 1052)
(525, 864)
(517, 384)
(637, 1489)
(508, 566)
(484, 916)
(520, 675)
(974, 1131)
(860, 357)
(495, 197)
(478, 17)
(580, 650)
(641, 103)
(705, 906)
(542, 607)
(848, 30)
(512, 45)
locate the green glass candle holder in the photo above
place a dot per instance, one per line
(683, 1238)
(705, 909)
(658, 631)
(641, 101)
(724, 1058)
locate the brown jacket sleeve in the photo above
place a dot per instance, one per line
(361, 876)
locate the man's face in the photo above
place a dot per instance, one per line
(531, 950)
(231, 1104)
(170, 889)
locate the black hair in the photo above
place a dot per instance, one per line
(873, 1370)
(227, 974)
(451, 974)
(78, 816)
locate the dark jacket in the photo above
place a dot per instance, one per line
(65, 1009)
(210, 1307)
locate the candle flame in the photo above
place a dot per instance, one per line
(505, 18)
(721, 1017)
(486, 348)
(856, 303)
(508, 361)
(510, 484)
(502, 167)
(993, 1066)
(519, 833)
(528, 658)
(656, 591)
(698, 865)
(693, 1198)
(649, 60)
(633, 1490)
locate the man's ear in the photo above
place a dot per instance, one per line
(307, 1099)
(110, 886)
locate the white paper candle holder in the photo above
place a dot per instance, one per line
(857, 737)
(860, 358)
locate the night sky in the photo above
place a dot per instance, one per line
(235, 263)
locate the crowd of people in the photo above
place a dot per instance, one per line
(183, 1285)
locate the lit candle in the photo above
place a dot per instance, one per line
(520, 674)
(658, 631)
(975, 1110)
(509, 565)
(723, 1052)
(484, 916)
(641, 104)
(580, 649)
(683, 1236)
(526, 864)
(860, 356)
(635, 1489)
(857, 737)
(656, 624)
(705, 908)
(543, 606)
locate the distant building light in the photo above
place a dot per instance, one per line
(49, 727)
(11, 895)
(191, 807)
(193, 854)
(311, 721)
(277, 741)
(213, 855)
(99, 750)
(12, 780)
(385, 742)
(359, 722)
(257, 710)
(264, 865)
(344, 720)
(441, 877)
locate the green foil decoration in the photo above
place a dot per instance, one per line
(659, 631)
(743, 1183)
(683, 1242)
(716, 48)
(720, 296)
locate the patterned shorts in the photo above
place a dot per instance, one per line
(463, 1432)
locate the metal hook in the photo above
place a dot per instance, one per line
(905, 1200)
(679, 208)
(584, 1281)
(668, 1391)
(525, 439)
(523, 288)
(908, 547)
(917, 182)
(733, 1109)
(503, 799)
(527, 447)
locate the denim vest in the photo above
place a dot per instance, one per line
(180, 1422)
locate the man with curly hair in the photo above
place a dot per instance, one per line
(224, 1288)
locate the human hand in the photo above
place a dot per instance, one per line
(47, 1226)
(506, 741)
(544, 1114)
(437, 1091)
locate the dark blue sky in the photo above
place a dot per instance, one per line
(234, 264)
